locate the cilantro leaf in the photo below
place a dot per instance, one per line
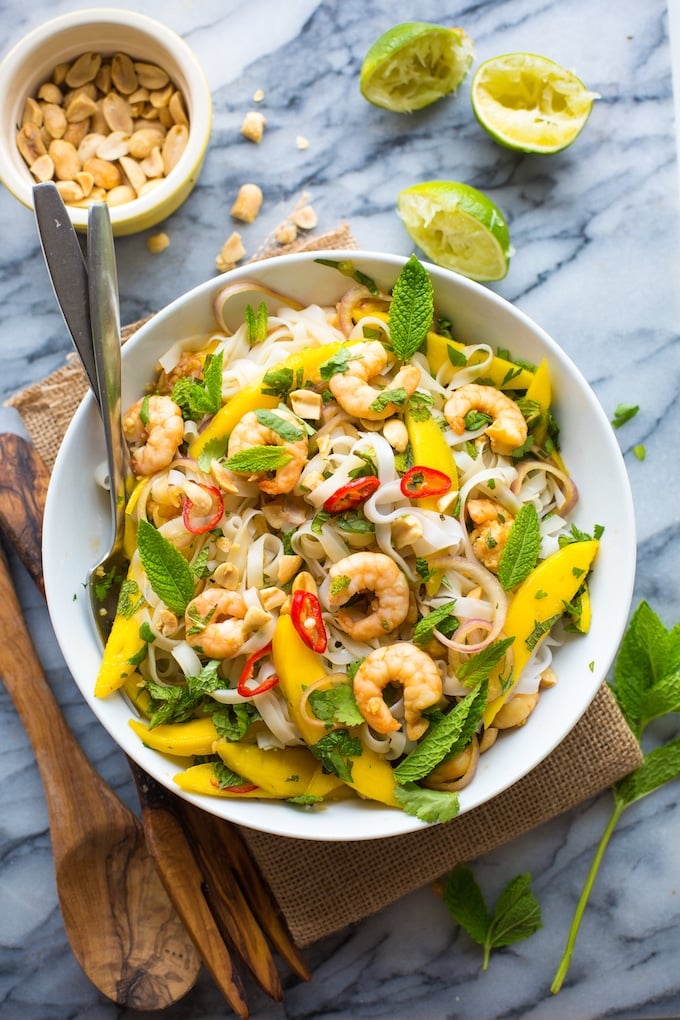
(521, 549)
(516, 916)
(168, 572)
(278, 382)
(397, 396)
(214, 449)
(412, 309)
(336, 365)
(427, 805)
(336, 706)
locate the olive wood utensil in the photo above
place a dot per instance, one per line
(120, 923)
(237, 894)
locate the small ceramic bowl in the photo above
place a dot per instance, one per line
(77, 528)
(107, 31)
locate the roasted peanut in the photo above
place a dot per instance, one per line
(248, 203)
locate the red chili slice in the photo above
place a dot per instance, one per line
(243, 788)
(349, 496)
(247, 674)
(424, 481)
(307, 619)
(199, 524)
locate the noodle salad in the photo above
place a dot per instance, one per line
(350, 551)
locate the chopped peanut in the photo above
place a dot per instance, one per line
(253, 126)
(305, 218)
(231, 253)
(248, 203)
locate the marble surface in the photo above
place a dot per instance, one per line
(597, 264)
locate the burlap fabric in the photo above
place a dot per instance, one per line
(322, 887)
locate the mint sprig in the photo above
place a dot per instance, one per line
(646, 686)
(445, 738)
(197, 398)
(168, 572)
(412, 309)
(516, 915)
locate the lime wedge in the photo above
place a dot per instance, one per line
(458, 227)
(530, 103)
(414, 64)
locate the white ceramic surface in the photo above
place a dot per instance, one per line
(77, 530)
(31, 62)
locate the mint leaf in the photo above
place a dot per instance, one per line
(168, 572)
(647, 670)
(427, 805)
(445, 738)
(412, 309)
(478, 667)
(516, 916)
(337, 364)
(465, 902)
(197, 398)
(281, 426)
(521, 549)
(256, 323)
(425, 627)
(258, 458)
(660, 766)
(278, 382)
(233, 721)
(335, 751)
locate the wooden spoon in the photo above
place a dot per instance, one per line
(122, 927)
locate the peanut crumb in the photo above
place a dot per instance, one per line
(302, 142)
(253, 126)
(258, 96)
(305, 218)
(232, 252)
(248, 203)
(157, 243)
(285, 233)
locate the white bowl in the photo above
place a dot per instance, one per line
(77, 529)
(107, 31)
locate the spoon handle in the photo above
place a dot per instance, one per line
(23, 488)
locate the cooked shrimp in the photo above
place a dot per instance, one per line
(189, 365)
(408, 667)
(218, 622)
(493, 527)
(249, 432)
(154, 428)
(507, 431)
(354, 393)
(369, 572)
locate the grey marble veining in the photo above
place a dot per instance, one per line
(597, 264)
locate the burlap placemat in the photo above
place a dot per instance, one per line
(322, 887)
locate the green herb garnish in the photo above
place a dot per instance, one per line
(412, 309)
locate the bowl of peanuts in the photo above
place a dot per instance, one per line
(111, 105)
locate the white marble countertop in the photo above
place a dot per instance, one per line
(597, 264)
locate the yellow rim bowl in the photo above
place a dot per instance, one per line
(105, 31)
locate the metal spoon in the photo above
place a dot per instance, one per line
(105, 325)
